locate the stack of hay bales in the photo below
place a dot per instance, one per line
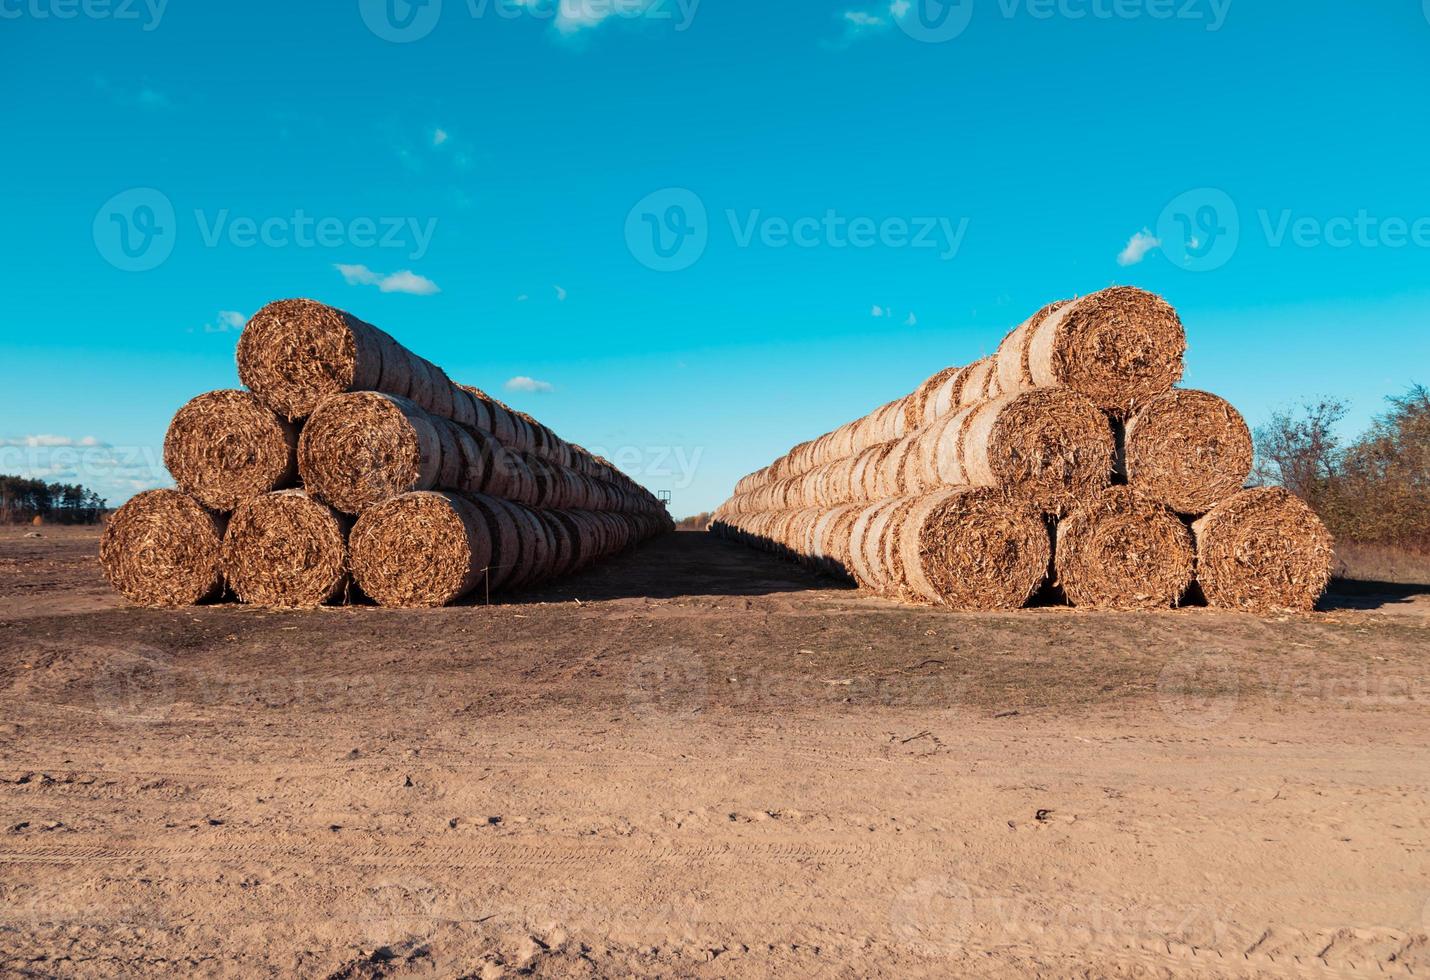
(1065, 459)
(351, 460)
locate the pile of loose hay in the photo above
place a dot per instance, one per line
(286, 549)
(162, 548)
(1188, 449)
(1078, 397)
(1263, 550)
(225, 446)
(1121, 551)
(364, 427)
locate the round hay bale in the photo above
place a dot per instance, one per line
(1119, 550)
(226, 446)
(973, 548)
(163, 548)
(1263, 550)
(365, 447)
(421, 549)
(1011, 361)
(1188, 449)
(1120, 347)
(1052, 445)
(286, 549)
(296, 352)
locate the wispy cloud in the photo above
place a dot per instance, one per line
(911, 320)
(522, 383)
(405, 281)
(560, 293)
(53, 442)
(114, 472)
(439, 136)
(1138, 247)
(226, 321)
(880, 311)
(858, 24)
(143, 97)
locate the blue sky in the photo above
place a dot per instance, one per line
(486, 180)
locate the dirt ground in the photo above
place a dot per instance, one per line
(700, 761)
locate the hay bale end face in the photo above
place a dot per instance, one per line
(1188, 449)
(295, 352)
(163, 548)
(286, 549)
(365, 447)
(1263, 550)
(226, 446)
(1051, 444)
(1121, 551)
(1120, 347)
(976, 548)
(421, 549)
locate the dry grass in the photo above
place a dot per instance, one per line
(1381, 563)
(1263, 550)
(1189, 450)
(1121, 551)
(286, 549)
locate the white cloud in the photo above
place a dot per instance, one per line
(523, 298)
(879, 311)
(439, 136)
(898, 8)
(560, 294)
(53, 442)
(912, 321)
(861, 23)
(405, 281)
(1137, 247)
(522, 383)
(226, 321)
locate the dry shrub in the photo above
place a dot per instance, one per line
(163, 548)
(1263, 550)
(1050, 444)
(1189, 450)
(1119, 550)
(286, 549)
(421, 549)
(226, 446)
(1120, 347)
(976, 548)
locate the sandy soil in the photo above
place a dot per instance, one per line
(699, 761)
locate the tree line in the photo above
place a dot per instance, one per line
(1373, 488)
(22, 500)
